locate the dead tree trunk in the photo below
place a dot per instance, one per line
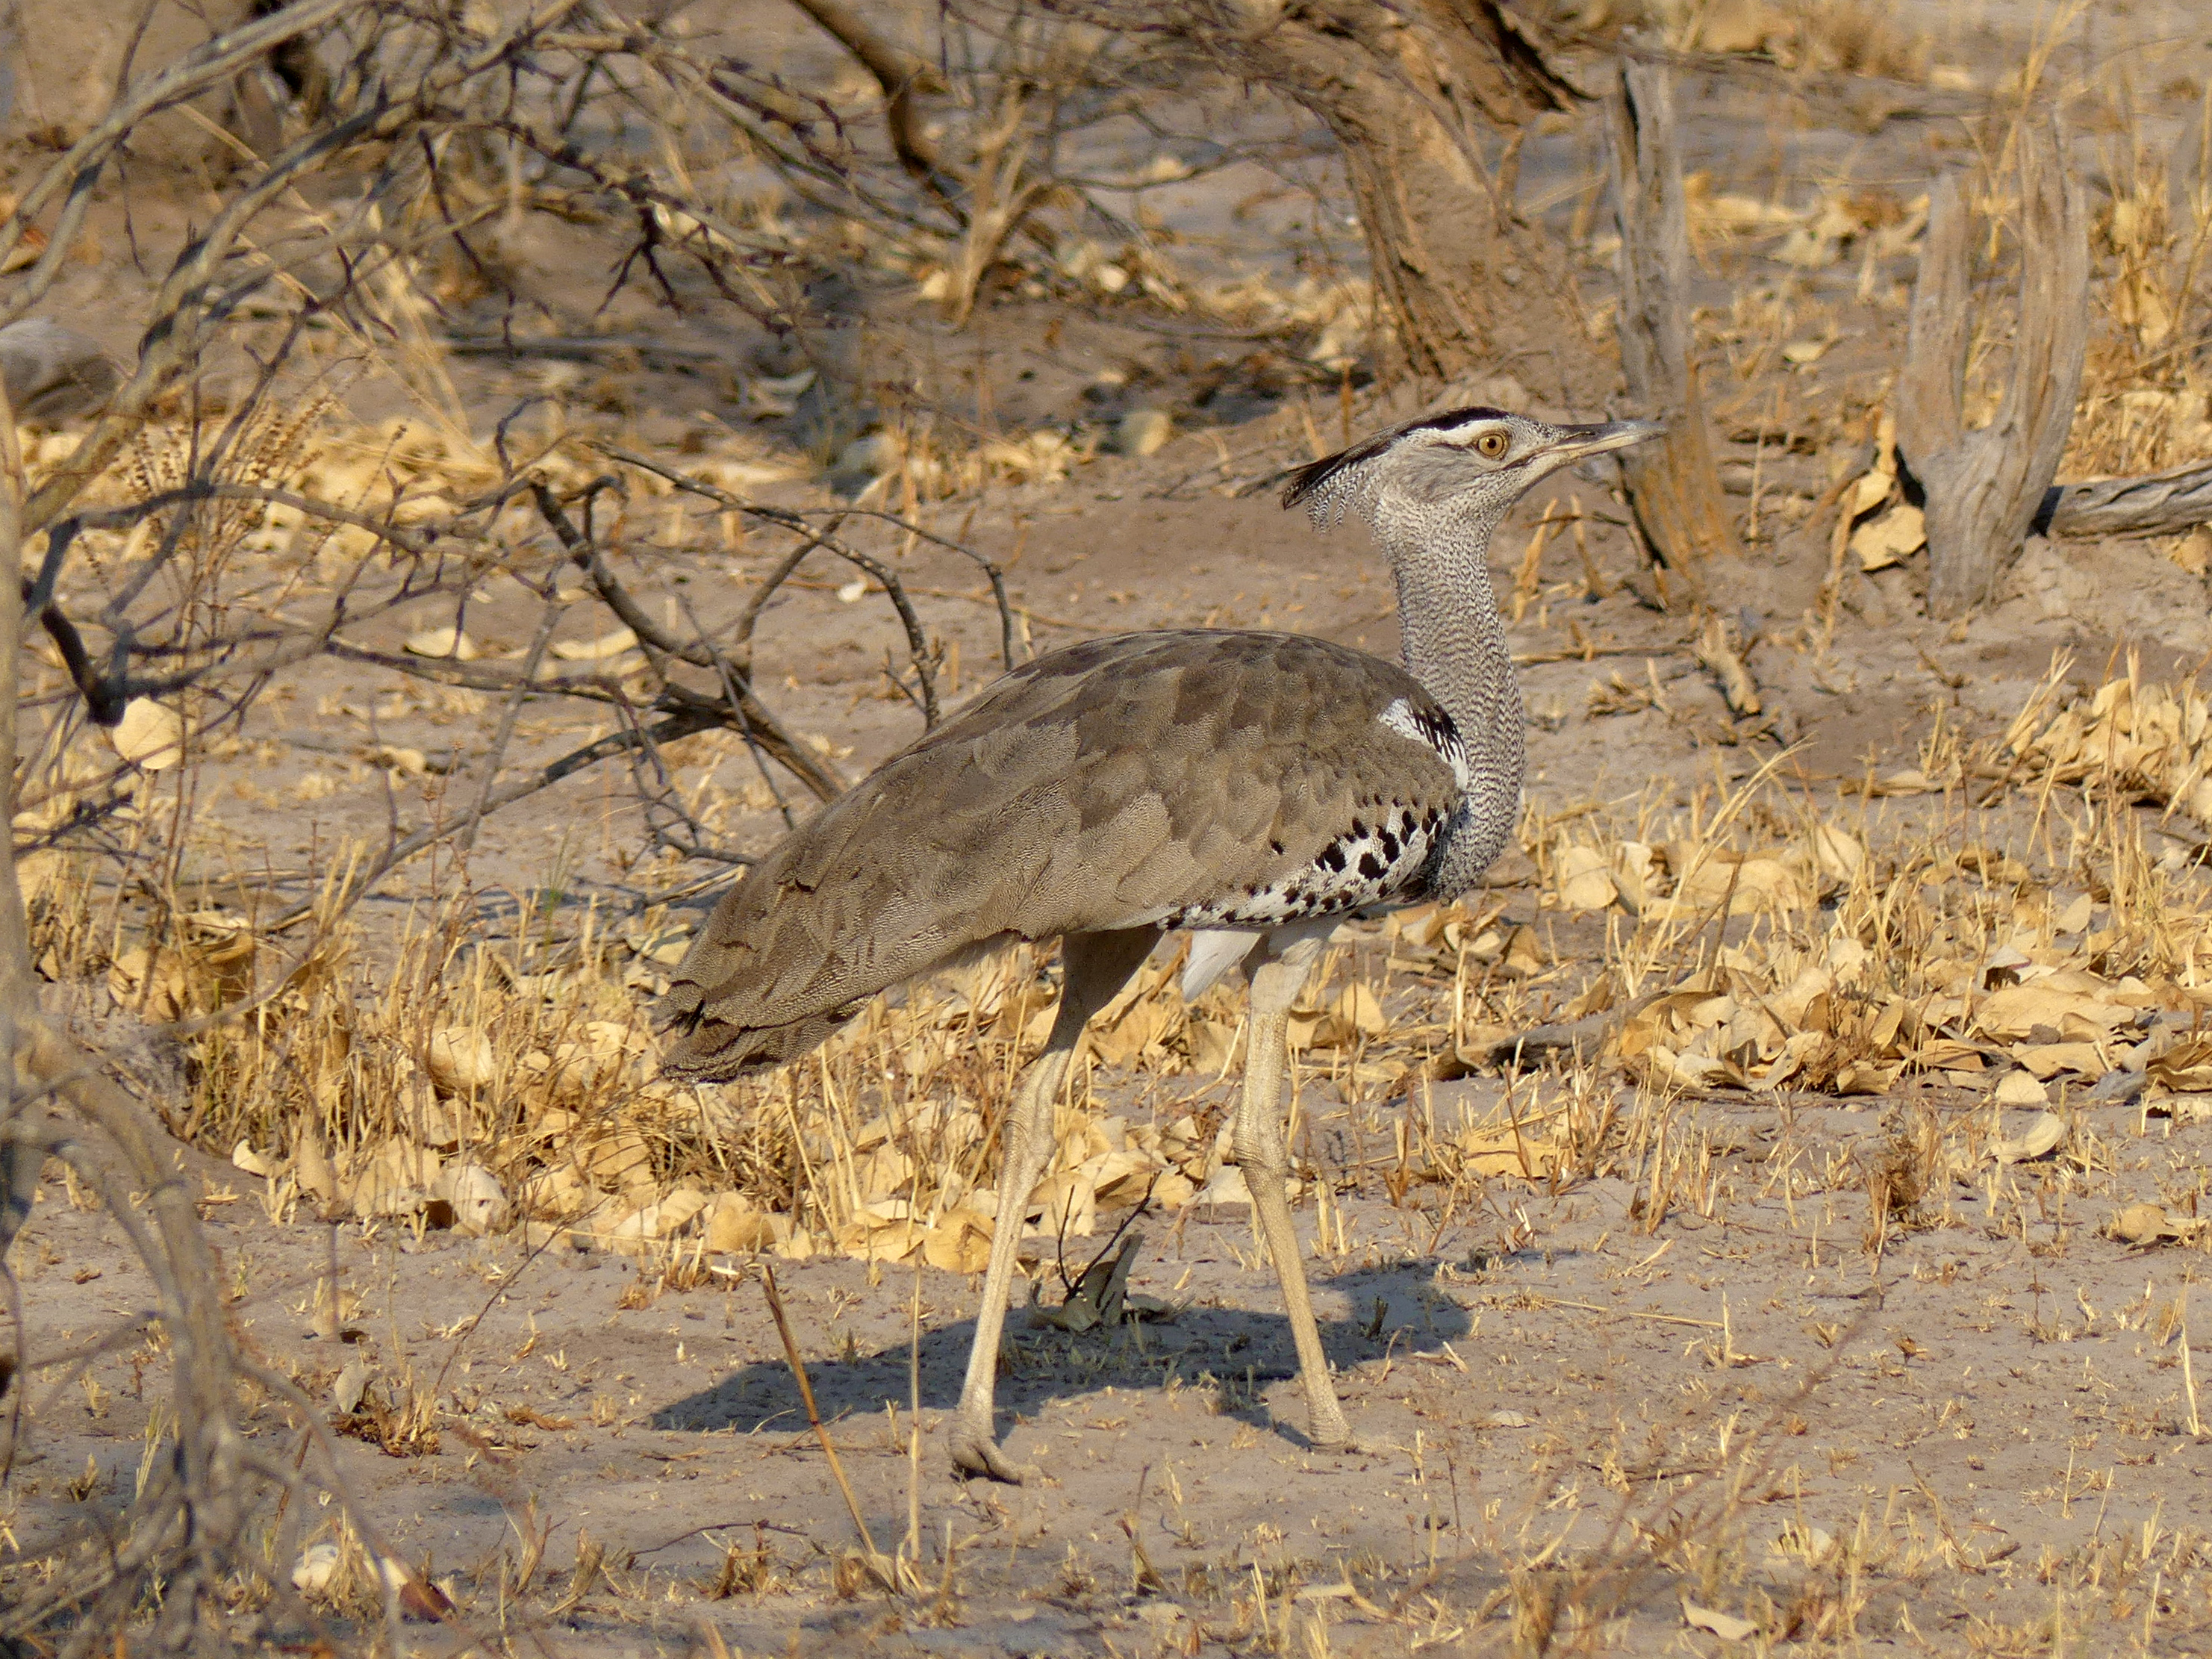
(1425, 99)
(2159, 504)
(1674, 487)
(1985, 488)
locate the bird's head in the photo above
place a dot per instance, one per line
(1467, 459)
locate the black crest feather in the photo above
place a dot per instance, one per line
(1304, 481)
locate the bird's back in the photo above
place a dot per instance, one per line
(1162, 778)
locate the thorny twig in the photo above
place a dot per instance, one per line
(797, 523)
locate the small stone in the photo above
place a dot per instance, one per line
(1144, 432)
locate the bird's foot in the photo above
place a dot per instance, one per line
(975, 1452)
(1329, 1432)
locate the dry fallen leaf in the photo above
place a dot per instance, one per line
(1584, 882)
(1144, 431)
(662, 1219)
(1522, 956)
(1882, 542)
(479, 1203)
(1498, 1151)
(408, 763)
(351, 1384)
(312, 1166)
(460, 1059)
(2148, 1223)
(442, 642)
(2185, 1067)
(2040, 1138)
(421, 1602)
(960, 1242)
(317, 1566)
(597, 650)
(2048, 1060)
(394, 1179)
(1726, 1625)
(734, 1226)
(1803, 1541)
(151, 736)
(2077, 1016)
(245, 1158)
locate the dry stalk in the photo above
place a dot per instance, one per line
(885, 1570)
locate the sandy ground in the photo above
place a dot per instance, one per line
(1549, 1379)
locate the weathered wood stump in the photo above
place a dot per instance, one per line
(1673, 486)
(1984, 488)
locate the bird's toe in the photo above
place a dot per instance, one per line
(978, 1454)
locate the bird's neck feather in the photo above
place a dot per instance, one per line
(1455, 647)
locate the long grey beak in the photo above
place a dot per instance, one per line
(1586, 440)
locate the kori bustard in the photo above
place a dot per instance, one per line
(1249, 787)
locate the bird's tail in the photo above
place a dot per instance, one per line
(798, 948)
(699, 1048)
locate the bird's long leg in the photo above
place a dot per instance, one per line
(1097, 966)
(1261, 1153)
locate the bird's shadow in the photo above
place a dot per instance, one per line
(1239, 1350)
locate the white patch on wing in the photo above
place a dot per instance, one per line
(1440, 739)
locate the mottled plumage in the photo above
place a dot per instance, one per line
(1146, 780)
(1249, 786)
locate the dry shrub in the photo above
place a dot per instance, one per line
(1844, 37)
(2144, 402)
(1856, 37)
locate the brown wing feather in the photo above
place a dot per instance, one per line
(1099, 787)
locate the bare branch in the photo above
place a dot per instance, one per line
(749, 714)
(901, 75)
(360, 886)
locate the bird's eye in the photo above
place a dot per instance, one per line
(1491, 445)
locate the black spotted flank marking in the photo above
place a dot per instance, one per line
(1389, 859)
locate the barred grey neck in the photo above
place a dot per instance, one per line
(1455, 647)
